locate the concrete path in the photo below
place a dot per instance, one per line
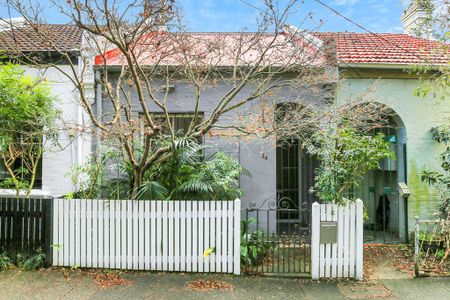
(58, 284)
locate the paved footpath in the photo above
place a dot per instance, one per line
(56, 284)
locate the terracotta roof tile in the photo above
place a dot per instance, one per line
(385, 48)
(366, 48)
(65, 37)
(215, 49)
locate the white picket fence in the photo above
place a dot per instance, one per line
(147, 235)
(344, 258)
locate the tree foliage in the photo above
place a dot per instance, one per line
(27, 118)
(441, 179)
(434, 79)
(346, 155)
(192, 174)
(153, 53)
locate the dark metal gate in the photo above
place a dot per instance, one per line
(275, 240)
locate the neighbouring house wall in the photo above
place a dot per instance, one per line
(418, 115)
(58, 159)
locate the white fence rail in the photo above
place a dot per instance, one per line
(345, 257)
(147, 235)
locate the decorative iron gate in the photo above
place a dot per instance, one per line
(275, 239)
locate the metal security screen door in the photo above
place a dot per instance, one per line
(276, 232)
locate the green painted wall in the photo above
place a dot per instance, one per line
(419, 115)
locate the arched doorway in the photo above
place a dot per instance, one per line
(295, 170)
(386, 214)
(295, 173)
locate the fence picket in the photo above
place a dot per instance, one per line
(346, 241)
(322, 256)
(224, 237)
(195, 234)
(176, 228)
(237, 237)
(95, 245)
(352, 241)
(123, 238)
(150, 235)
(89, 238)
(147, 235)
(153, 252)
(129, 235)
(218, 234)
(141, 234)
(55, 252)
(212, 236)
(359, 240)
(201, 233)
(117, 235)
(189, 236)
(83, 246)
(159, 236)
(207, 233)
(72, 226)
(182, 236)
(170, 234)
(340, 250)
(230, 237)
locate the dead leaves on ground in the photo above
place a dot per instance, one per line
(110, 279)
(103, 279)
(204, 285)
(401, 257)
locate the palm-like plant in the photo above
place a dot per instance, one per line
(189, 174)
(216, 178)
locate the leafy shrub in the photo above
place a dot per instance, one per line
(189, 174)
(33, 262)
(254, 245)
(346, 156)
(5, 262)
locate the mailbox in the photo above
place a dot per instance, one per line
(404, 190)
(328, 232)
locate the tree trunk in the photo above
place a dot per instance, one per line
(137, 182)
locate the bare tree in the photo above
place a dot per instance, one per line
(143, 50)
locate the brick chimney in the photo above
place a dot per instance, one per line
(416, 19)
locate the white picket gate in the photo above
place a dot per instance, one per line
(345, 257)
(147, 235)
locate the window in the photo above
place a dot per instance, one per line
(179, 121)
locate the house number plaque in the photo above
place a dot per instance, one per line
(328, 232)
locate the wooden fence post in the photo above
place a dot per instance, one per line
(359, 240)
(237, 237)
(315, 240)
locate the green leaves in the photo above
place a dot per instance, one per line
(27, 119)
(441, 180)
(254, 245)
(151, 189)
(189, 174)
(346, 155)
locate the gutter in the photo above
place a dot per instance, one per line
(383, 66)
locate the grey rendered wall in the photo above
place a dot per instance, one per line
(259, 157)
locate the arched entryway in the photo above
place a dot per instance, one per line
(294, 177)
(386, 214)
(379, 189)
